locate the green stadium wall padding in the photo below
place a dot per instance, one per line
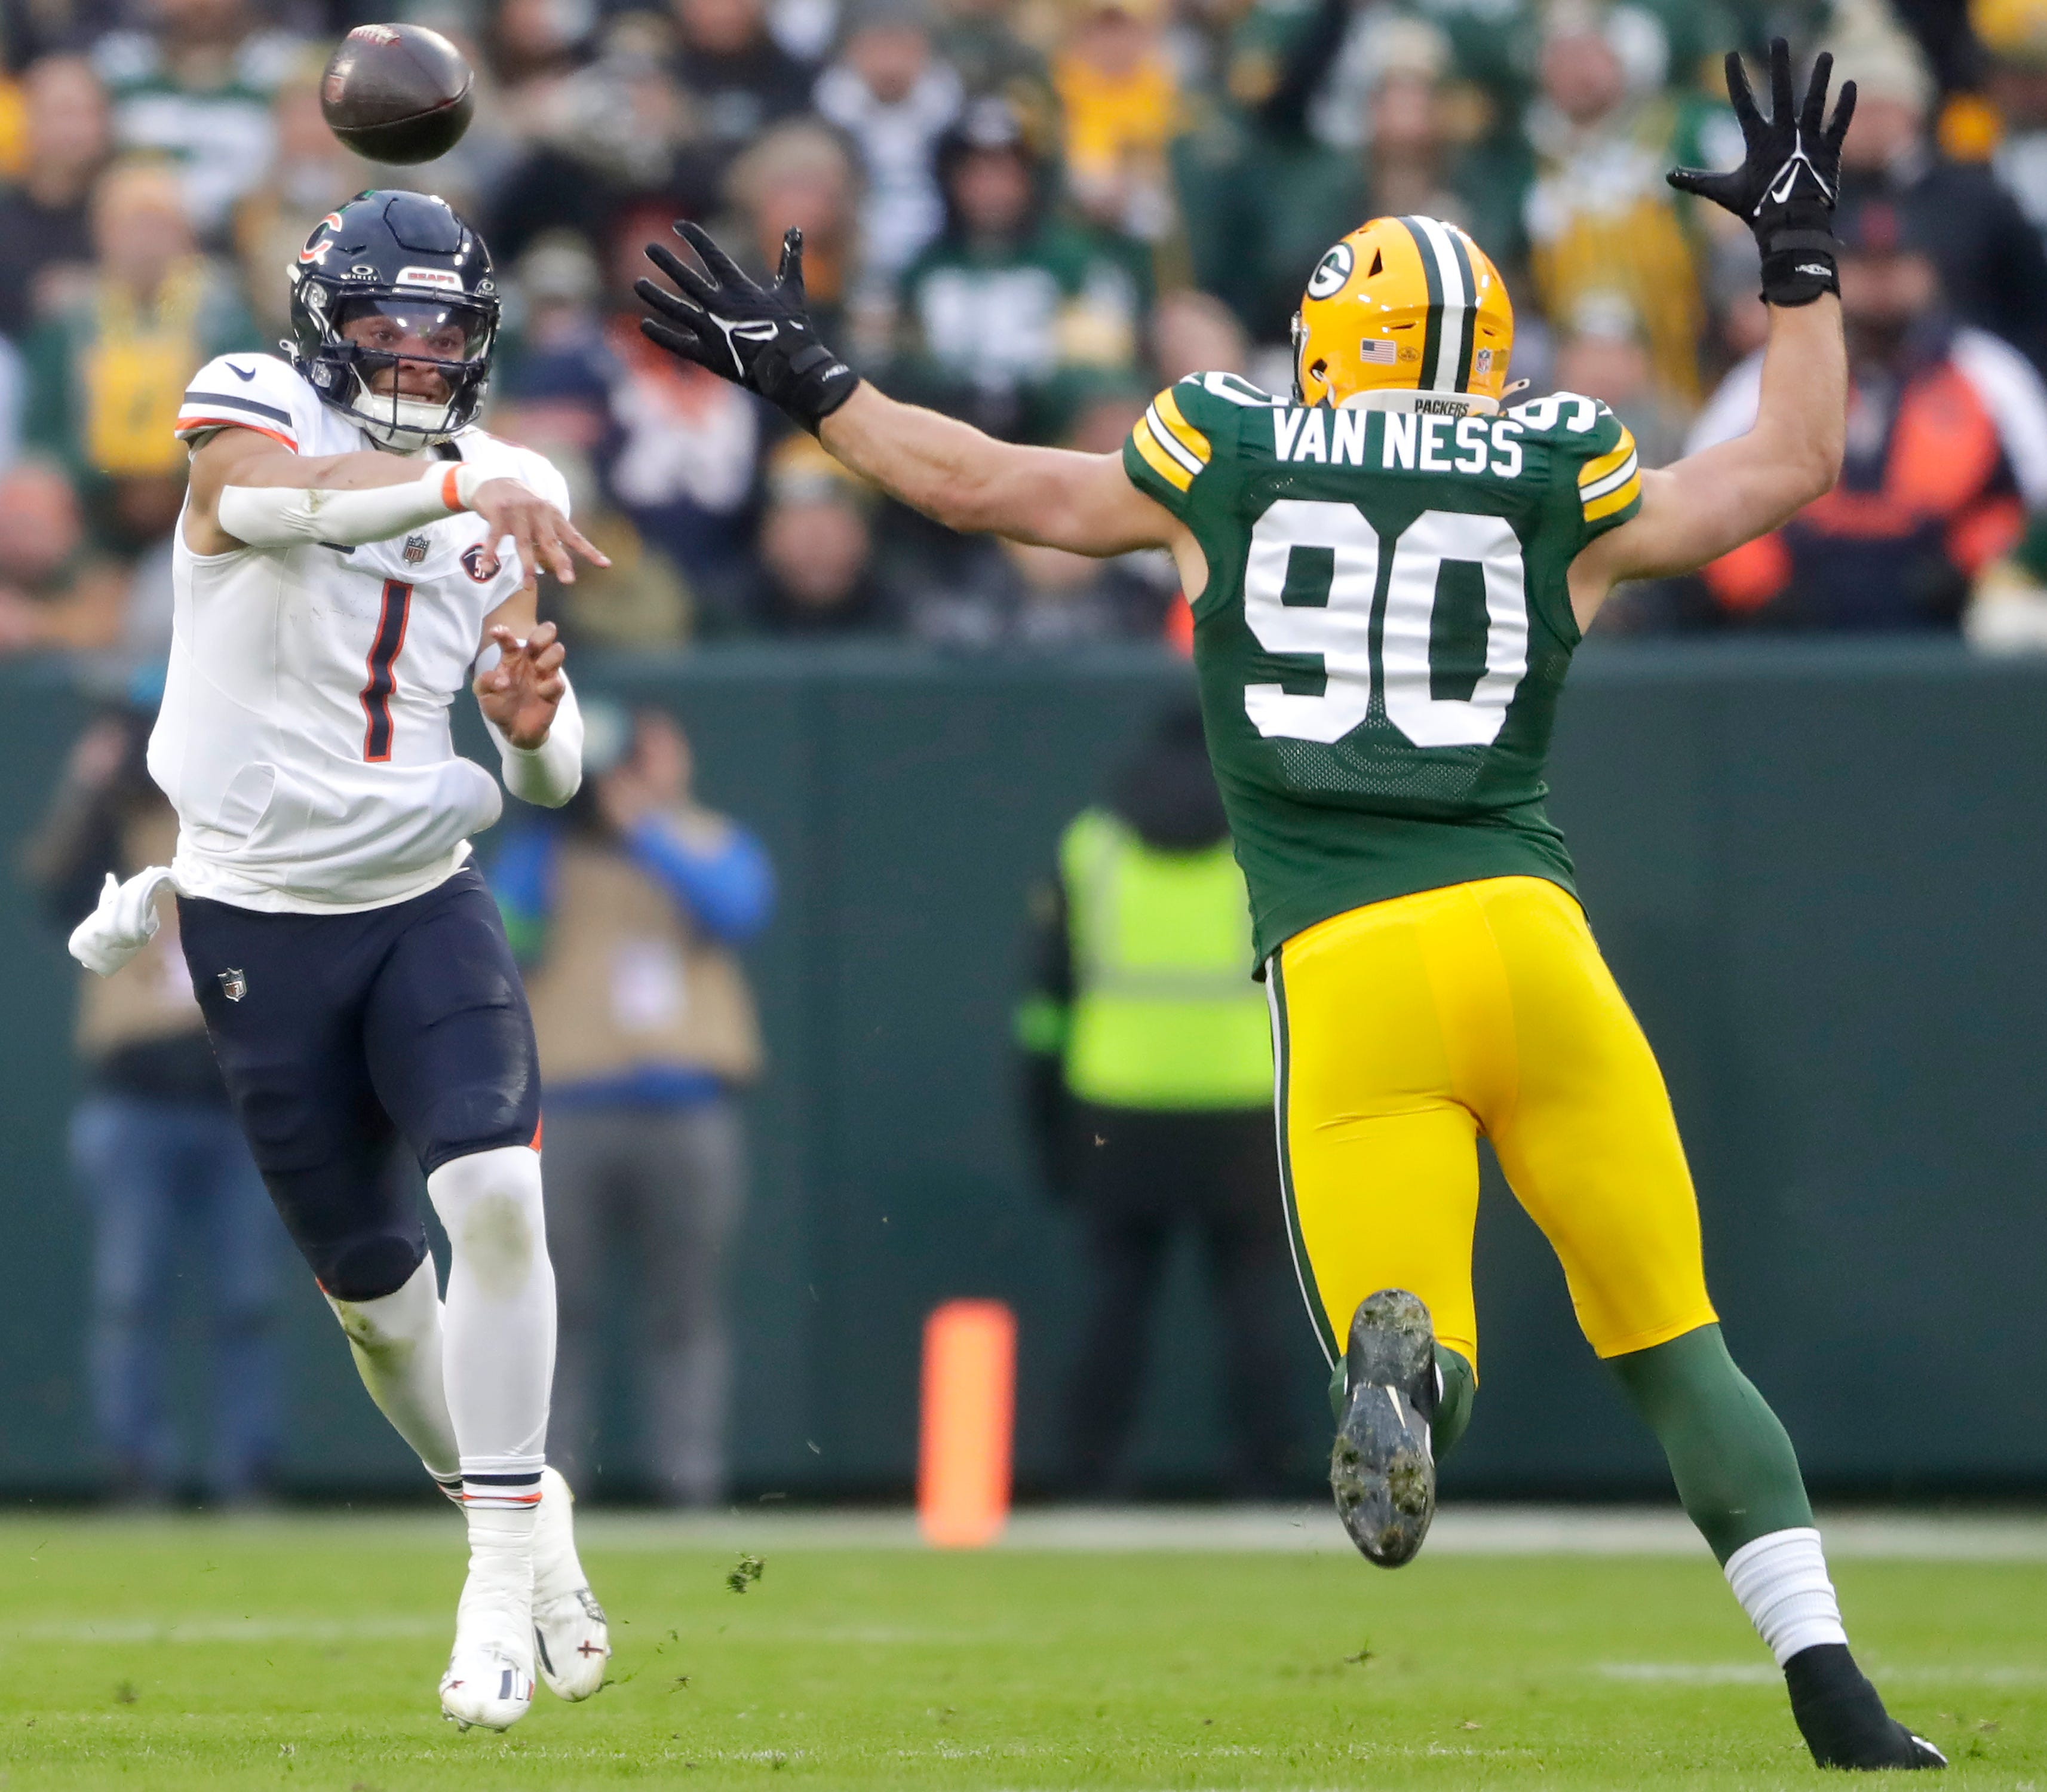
(1817, 870)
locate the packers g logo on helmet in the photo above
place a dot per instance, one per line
(1330, 273)
(1404, 306)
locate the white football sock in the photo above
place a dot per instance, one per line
(498, 1359)
(396, 1341)
(1782, 1582)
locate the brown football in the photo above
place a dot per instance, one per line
(397, 93)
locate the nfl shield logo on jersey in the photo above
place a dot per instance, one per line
(234, 985)
(416, 549)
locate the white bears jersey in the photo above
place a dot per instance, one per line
(303, 738)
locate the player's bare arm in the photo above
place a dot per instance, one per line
(957, 475)
(1711, 502)
(759, 336)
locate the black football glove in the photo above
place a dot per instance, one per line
(1785, 190)
(756, 336)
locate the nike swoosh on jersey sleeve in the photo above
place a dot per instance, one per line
(257, 401)
(1611, 482)
(1172, 447)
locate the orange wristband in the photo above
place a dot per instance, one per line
(451, 487)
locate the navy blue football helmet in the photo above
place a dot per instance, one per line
(397, 267)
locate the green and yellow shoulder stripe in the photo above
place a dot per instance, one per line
(1610, 483)
(1170, 446)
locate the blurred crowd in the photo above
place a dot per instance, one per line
(1031, 214)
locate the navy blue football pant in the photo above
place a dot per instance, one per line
(343, 1038)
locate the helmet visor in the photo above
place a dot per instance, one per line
(414, 329)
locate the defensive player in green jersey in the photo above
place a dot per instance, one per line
(1388, 576)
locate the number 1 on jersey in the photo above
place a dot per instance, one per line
(384, 650)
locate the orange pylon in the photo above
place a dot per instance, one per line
(970, 1417)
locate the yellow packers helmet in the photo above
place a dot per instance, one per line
(1403, 305)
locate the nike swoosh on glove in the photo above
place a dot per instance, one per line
(125, 922)
(756, 336)
(1785, 187)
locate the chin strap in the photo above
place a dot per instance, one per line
(386, 415)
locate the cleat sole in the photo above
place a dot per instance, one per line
(1382, 1470)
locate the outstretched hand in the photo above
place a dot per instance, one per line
(723, 321)
(756, 336)
(1785, 187)
(543, 537)
(520, 694)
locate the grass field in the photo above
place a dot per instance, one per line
(302, 1654)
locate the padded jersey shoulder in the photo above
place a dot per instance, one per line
(260, 391)
(1191, 426)
(1589, 445)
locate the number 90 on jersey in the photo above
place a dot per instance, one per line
(1298, 540)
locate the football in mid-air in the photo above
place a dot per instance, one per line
(397, 93)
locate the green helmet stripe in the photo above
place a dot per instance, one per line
(1466, 335)
(1446, 355)
(1432, 339)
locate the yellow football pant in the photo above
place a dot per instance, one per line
(1405, 1028)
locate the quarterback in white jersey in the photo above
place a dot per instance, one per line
(353, 552)
(304, 737)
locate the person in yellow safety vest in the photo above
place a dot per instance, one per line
(1147, 1066)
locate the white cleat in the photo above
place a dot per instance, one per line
(489, 1677)
(570, 1635)
(486, 1687)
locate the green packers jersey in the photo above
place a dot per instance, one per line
(1386, 628)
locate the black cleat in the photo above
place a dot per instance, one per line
(1842, 1719)
(1382, 1469)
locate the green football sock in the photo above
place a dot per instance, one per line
(1453, 1411)
(1734, 1465)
